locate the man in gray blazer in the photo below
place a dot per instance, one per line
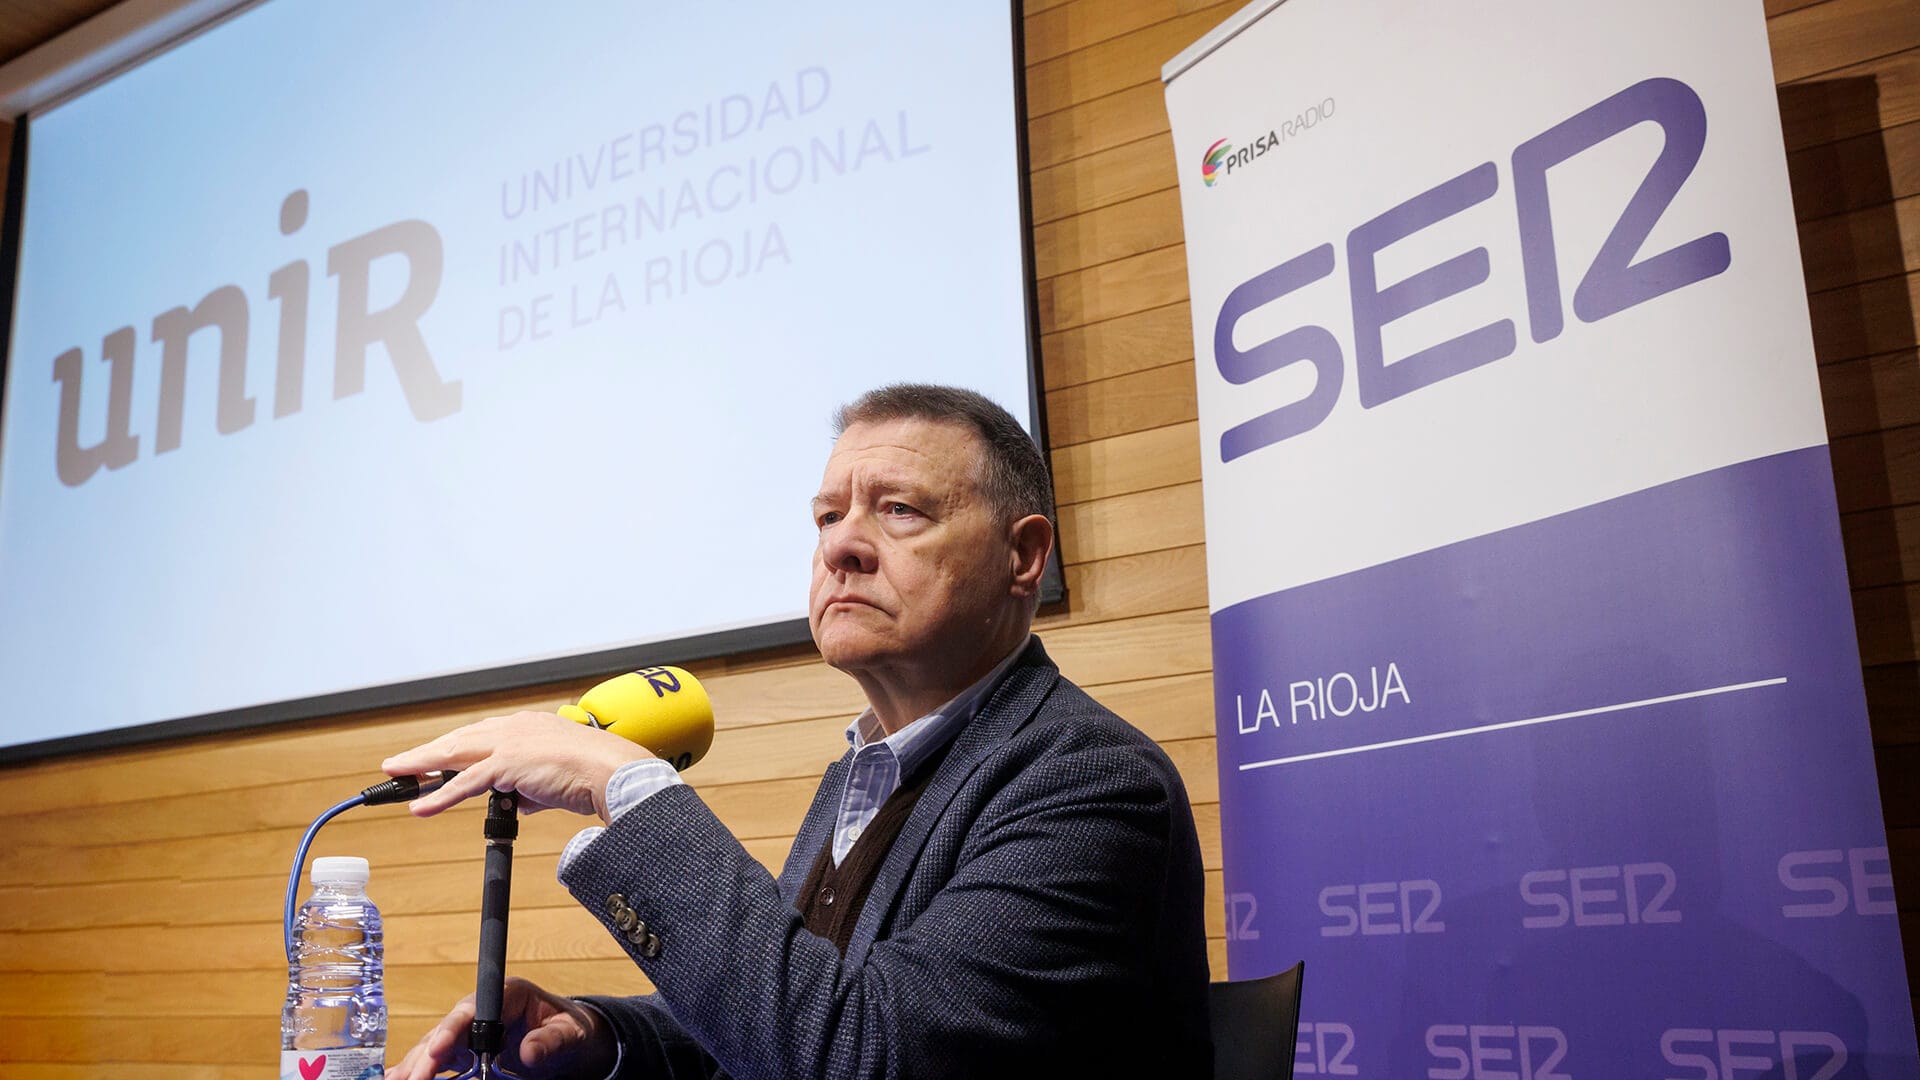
(1000, 877)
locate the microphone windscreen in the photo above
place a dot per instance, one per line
(664, 709)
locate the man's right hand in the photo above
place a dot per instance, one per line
(546, 1036)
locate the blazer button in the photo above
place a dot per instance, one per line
(637, 933)
(616, 904)
(652, 947)
(625, 919)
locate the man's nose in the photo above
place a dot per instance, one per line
(848, 546)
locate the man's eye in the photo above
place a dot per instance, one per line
(899, 509)
(828, 518)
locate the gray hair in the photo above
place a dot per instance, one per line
(1013, 473)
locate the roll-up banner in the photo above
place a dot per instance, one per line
(1541, 731)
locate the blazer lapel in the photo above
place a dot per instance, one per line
(815, 828)
(1012, 704)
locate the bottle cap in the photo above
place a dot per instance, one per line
(340, 870)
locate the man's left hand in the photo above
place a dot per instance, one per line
(549, 760)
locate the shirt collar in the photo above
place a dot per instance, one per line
(912, 744)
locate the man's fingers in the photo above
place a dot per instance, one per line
(443, 1044)
(473, 780)
(439, 754)
(538, 1044)
(555, 1035)
(456, 749)
(437, 1047)
(417, 1065)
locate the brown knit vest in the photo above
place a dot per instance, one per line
(831, 900)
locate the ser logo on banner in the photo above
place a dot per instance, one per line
(1727, 1053)
(1382, 907)
(1616, 280)
(1496, 1052)
(1865, 869)
(1242, 908)
(1636, 893)
(1322, 1049)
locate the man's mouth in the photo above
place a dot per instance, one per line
(848, 602)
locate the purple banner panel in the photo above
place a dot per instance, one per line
(1588, 797)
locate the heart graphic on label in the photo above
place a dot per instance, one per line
(311, 1070)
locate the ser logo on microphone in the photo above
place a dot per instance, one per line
(661, 679)
(664, 682)
(663, 709)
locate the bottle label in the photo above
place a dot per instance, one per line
(340, 1063)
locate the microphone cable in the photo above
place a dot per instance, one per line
(398, 789)
(300, 863)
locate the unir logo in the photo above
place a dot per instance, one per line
(226, 311)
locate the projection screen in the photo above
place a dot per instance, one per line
(363, 353)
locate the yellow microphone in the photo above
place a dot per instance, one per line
(664, 709)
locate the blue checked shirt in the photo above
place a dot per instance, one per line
(879, 762)
(877, 766)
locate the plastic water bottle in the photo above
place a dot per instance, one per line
(334, 1024)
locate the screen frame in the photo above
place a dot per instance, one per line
(578, 666)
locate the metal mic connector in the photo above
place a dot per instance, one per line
(404, 788)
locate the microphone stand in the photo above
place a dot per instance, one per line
(484, 1039)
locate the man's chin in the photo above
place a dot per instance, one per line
(851, 652)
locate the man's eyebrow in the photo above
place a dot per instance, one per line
(887, 483)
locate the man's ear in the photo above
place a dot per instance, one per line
(1032, 541)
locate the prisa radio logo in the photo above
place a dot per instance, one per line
(1221, 158)
(1210, 165)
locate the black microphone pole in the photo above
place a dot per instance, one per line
(487, 1034)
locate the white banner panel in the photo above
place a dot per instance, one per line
(1401, 456)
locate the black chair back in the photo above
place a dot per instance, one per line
(1255, 1026)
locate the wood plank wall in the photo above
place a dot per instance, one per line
(140, 890)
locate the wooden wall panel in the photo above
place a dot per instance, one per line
(140, 889)
(1822, 37)
(1150, 338)
(1098, 124)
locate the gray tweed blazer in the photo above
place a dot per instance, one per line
(1040, 913)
